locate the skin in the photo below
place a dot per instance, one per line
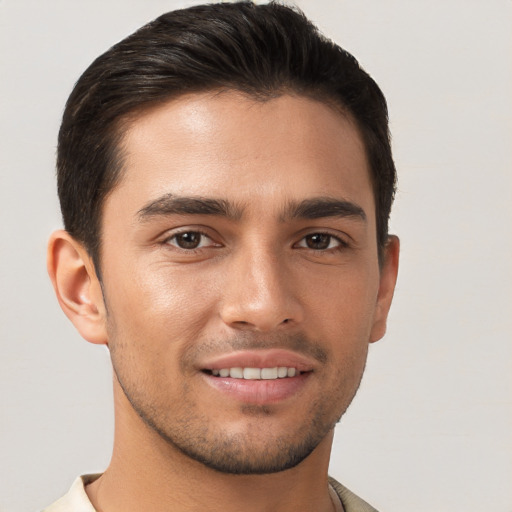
(265, 275)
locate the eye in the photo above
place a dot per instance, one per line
(321, 242)
(190, 240)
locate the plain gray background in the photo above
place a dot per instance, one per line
(431, 428)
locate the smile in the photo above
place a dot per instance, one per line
(277, 372)
(258, 377)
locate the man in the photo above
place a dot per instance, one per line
(225, 178)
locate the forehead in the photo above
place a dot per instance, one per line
(228, 145)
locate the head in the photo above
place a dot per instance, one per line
(226, 178)
(263, 51)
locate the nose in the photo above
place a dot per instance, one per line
(259, 293)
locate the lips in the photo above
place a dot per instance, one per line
(272, 358)
(258, 377)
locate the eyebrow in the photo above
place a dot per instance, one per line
(322, 207)
(170, 204)
(314, 208)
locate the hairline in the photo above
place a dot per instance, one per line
(119, 128)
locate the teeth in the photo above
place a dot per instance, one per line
(252, 373)
(269, 373)
(236, 373)
(278, 372)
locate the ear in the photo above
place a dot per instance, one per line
(388, 275)
(77, 287)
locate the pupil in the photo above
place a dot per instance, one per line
(188, 240)
(318, 241)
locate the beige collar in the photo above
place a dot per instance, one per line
(338, 507)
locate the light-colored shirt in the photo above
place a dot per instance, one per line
(76, 500)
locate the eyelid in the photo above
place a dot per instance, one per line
(172, 234)
(332, 239)
(340, 239)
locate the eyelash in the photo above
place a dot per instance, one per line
(202, 234)
(342, 244)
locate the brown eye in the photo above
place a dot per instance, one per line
(190, 240)
(318, 241)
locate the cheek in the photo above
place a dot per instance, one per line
(345, 303)
(159, 304)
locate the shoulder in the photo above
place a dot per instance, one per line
(76, 499)
(351, 502)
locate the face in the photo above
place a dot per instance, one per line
(240, 276)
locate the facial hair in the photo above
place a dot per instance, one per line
(259, 449)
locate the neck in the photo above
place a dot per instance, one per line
(147, 473)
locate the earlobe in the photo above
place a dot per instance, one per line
(77, 286)
(388, 276)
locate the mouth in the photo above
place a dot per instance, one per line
(248, 373)
(258, 377)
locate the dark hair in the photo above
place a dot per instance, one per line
(261, 50)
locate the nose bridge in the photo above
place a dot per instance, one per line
(259, 293)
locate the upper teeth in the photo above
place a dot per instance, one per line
(278, 372)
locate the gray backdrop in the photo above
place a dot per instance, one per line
(431, 428)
